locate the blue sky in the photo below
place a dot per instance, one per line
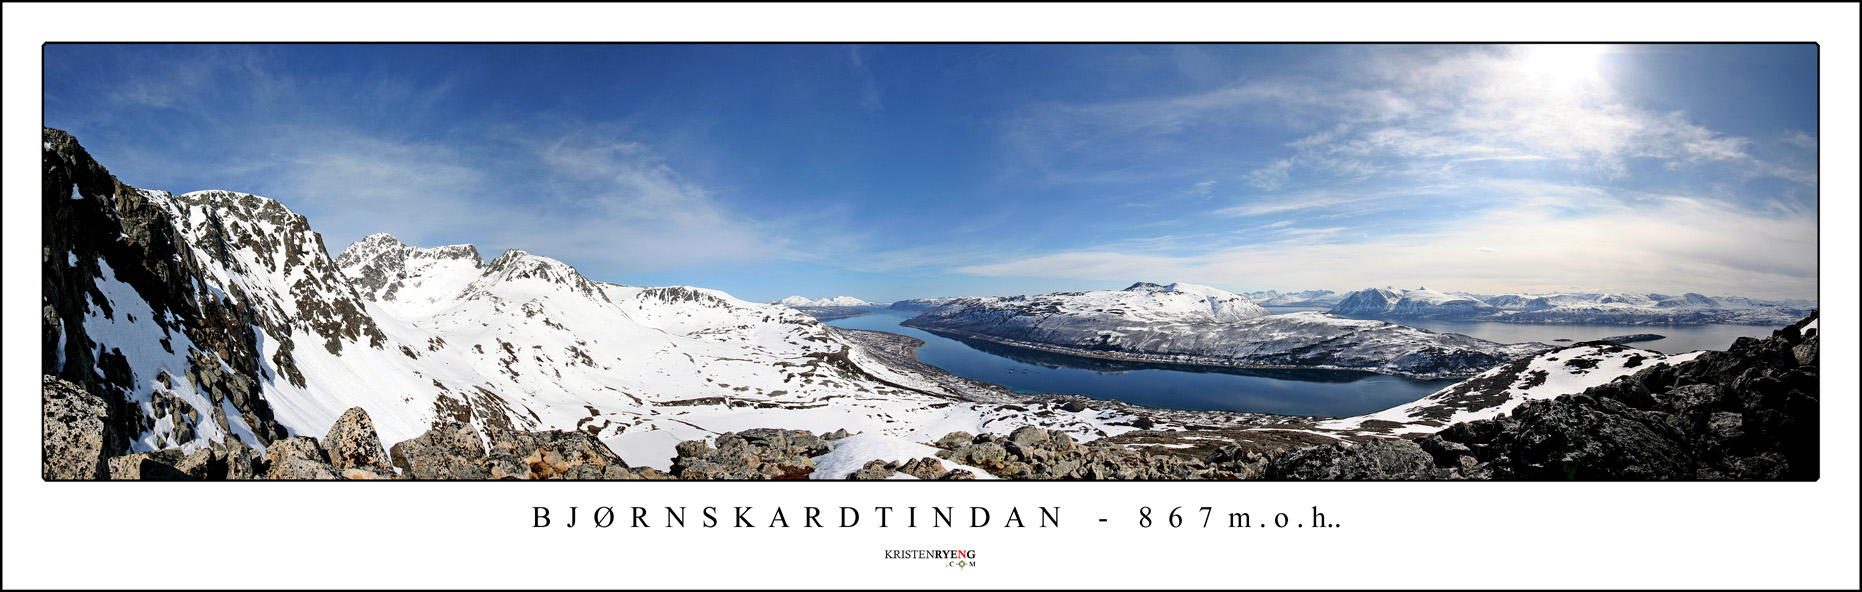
(898, 171)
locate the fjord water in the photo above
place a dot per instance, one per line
(1332, 393)
(1291, 392)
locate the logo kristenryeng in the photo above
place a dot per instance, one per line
(958, 558)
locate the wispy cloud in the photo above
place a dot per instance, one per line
(1540, 247)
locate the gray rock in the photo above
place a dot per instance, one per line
(924, 468)
(874, 470)
(546, 455)
(352, 443)
(954, 440)
(298, 458)
(448, 451)
(158, 465)
(1030, 437)
(75, 428)
(206, 463)
(1375, 460)
(240, 459)
(762, 453)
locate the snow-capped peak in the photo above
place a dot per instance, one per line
(837, 301)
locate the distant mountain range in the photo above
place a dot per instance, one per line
(1557, 308)
(1200, 325)
(835, 302)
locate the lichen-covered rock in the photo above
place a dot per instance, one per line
(298, 458)
(352, 443)
(955, 440)
(205, 463)
(875, 470)
(158, 465)
(241, 460)
(548, 455)
(75, 431)
(449, 451)
(1377, 460)
(755, 454)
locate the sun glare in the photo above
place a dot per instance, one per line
(1564, 67)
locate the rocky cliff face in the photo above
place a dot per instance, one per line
(132, 311)
(1750, 413)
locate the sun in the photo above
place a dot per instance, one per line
(1561, 66)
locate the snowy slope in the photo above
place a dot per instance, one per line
(1174, 324)
(246, 327)
(1499, 390)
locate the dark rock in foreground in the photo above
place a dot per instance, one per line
(1748, 413)
(354, 446)
(75, 431)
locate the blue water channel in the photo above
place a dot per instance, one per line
(1293, 392)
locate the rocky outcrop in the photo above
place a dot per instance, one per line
(1750, 412)
(96, 230)
(353, 445)
(756, 454)
(451, 450)
(557, 454)
(149, 466)
(298, 458)
(1033, 453)
(75, 432)
(1377, 460)
(928, 469)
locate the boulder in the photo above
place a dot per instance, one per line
(352, 443)
(450, 450)
(546, 455)
(761, 453)
(297, 458)
(158, 465)
(205, 463)
(241, 460)
(954, 440)
(1377, 460)
(75, 430)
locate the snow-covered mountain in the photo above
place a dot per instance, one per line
(1419, 303)
(920, 304)
(1597, 308)
(1303, 298)
(215, 314)
(1187, 324)
(835, 302)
